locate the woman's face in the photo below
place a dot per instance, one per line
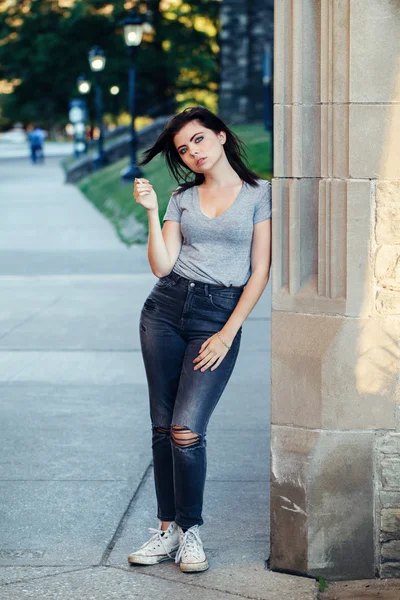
(199, 148)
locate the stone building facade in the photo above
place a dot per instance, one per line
(246, 27)
(335, 412)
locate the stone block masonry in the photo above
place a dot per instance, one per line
(388, 504)
(335, 368)
(387, 232)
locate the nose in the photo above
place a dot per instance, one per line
(193, 152)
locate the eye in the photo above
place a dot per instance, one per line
(200, 137)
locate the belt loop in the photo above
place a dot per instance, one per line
(206, 289)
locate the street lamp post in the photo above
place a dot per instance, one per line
(133, 31)
(97, 61)
(114, 91)
(83, 84)
(77, 116)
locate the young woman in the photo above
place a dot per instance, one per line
(212, 258)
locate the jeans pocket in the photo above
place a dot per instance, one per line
(223, 302)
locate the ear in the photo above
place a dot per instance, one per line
(222, 137)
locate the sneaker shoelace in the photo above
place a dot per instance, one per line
(157, 535)
(191, 541)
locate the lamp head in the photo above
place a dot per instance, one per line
(97, 59)
(83, 84)
(133, 29)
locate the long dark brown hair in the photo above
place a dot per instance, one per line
(235, 149)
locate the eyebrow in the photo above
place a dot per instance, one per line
(193, 136)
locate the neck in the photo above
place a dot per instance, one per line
(222, 175)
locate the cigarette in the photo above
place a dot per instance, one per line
(136, 179)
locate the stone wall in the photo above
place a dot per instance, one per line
(335, 426)
(246, 26)
(388, 504)
(387, 235)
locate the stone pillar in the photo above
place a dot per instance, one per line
(335, 424)
(246, 26)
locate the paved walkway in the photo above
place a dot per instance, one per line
(76, 481)
(13, 150)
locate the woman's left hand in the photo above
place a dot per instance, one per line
(212, 352)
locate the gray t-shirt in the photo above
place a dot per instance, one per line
(218, 251)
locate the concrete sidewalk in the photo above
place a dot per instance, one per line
(76, 480)
(21, 150)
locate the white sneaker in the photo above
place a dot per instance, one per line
(191, 554)
(161, 546)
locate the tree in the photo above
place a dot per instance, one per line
(44, 44)
(186, 44)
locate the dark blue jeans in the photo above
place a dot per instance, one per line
(177, 317)
(36, 153)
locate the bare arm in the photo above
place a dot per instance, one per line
(163, 245)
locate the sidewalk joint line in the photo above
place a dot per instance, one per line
(33, 316)
(197, 585)
(64, 480)
(124, 518)
(258, 319)
(26, 579)
(55, 350)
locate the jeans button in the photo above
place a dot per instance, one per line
(192, 284)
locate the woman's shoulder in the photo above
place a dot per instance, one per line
(264, 183)
(260, 188)
(182, 192)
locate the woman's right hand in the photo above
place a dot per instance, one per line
(144, 194)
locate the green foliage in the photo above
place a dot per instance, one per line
(322, 583)
(114, 199)
(258, 148)
(46, 47)
(48, 54)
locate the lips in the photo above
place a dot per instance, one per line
(200, 161)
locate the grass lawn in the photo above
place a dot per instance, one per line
(114, 198)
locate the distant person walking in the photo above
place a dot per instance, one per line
(36, 138)
(212, 258)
